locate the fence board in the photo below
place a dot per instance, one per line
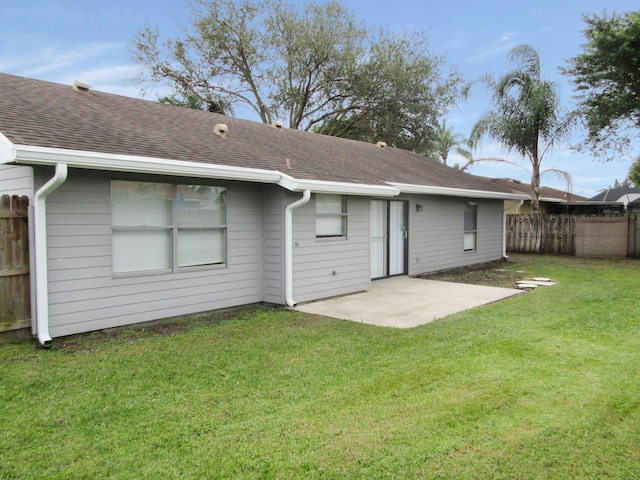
(15, 294)
(541, 233)
(546, 233)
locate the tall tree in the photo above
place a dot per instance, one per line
(526, 117)
(446, 141)
(195, 103)
(607, 80)
(634, 173)
(312, 65)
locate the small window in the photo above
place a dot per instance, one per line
(159, 226)
(331, 216)
(470, 226)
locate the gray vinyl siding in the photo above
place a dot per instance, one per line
(16, 180)
(274, 206)
(85, 296)
(436, 234)
(328, 267)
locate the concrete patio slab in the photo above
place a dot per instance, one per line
(405, 302)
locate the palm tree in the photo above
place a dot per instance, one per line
(526, 118)
(447, 140)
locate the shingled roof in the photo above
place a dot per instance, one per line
(42, 114)
(616, 194)
(546, 193)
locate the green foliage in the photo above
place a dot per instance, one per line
(194, 102)
(607, 79)
(526, 118)
(634, 173)
(312, 65)
(542, 385)
(191, 101)
(446, 141)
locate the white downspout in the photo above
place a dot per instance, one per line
(504, 233)
(288, 246)
(40, 231)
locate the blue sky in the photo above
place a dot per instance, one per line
(64, 40)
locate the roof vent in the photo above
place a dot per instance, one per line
(381, 144)
(80, 86)
(220, 129)
(278, 125)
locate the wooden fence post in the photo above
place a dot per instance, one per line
(634, 235)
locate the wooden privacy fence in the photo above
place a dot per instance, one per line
(15, 294)
(574, 235)
(541, 234)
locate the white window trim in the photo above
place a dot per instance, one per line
(343, 215)
(174, 229)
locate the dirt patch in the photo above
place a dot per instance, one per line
(501, 273)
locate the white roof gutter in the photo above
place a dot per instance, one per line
(25, 154)
(338, 188)
(456, 192)
(136, 164)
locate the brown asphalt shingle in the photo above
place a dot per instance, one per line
(37, 113)
(545, 192)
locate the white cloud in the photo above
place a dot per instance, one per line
(498, 47)
(44, 61)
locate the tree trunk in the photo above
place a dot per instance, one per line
(535, 186)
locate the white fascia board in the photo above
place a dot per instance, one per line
(596, 203)
(339, 188)
(456, 192)
(552, 200)
(7, 150)
(136, 164)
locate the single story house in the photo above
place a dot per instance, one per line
(551, 200)
(617, 200)
(142, 211)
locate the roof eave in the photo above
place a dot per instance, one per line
(7, 150)
(596, 203)
(32, 155)
(552, 200)
(340, 188)
(456, 192)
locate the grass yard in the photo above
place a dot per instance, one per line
(542, 385)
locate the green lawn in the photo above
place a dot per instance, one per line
(542, 385)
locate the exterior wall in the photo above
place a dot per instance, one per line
(436, 234)
(514, 207)
(83, 293)
(329, 267)
(16, 180)
(274, 205)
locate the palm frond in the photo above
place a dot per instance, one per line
(561, 175)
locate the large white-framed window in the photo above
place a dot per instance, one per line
(165, 227)
(331, 215)
(470, 225)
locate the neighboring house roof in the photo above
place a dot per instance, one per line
(547, 194)
(621, 194)
(55, 120)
